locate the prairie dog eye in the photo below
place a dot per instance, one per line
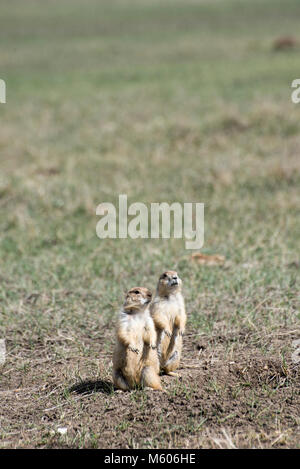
(136, 292)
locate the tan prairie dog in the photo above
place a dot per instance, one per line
(135, 360)
(168, 313)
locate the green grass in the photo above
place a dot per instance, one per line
(162, 101)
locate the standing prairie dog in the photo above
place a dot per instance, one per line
(135, 361)
(168, 313)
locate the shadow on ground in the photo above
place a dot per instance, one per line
(89, 387)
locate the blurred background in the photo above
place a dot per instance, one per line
(162, 101)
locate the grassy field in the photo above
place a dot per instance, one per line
(174, 100)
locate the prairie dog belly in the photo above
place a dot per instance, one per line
(167, 346)
(132, 362)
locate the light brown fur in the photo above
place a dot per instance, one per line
(168, 313)
(135, 361)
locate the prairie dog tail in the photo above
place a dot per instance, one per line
(150, 379)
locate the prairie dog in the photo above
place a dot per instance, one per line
(135, 360)
(168, 313)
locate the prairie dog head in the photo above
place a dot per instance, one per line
(169, 282)
(137, 299)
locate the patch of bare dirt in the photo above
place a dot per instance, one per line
(230, 395)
